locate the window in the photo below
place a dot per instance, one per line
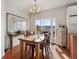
(38, 22)
(44, 24)
(47, 24)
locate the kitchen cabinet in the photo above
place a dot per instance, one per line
(61, 36)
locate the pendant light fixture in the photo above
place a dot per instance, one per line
(35, 8)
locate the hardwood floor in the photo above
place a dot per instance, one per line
(15, 54)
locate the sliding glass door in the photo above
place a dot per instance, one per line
(47, 24)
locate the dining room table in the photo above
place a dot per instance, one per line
(31, 40)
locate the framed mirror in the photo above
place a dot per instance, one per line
(16, 23)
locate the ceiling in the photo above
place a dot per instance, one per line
(25, 5)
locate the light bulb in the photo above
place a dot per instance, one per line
(30, 9)
(34, 7)
(39, 8)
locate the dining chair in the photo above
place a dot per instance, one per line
(31, 46)
(27, 34)
(45, 44)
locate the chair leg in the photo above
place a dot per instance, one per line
(25, 48)
(42, 53)
(32, 52)
(47, 52)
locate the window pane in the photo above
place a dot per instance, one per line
(38, 22)
(42, 22)
(53, 22)
(47, 22)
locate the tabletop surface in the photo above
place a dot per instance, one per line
(34, 38)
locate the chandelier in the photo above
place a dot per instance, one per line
(35, 8)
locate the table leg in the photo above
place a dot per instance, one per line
(11, 43)
(32, 51)
(37, 47)
(25, 47)
(21, 49)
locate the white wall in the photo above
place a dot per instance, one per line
(72, 21)
(58, 13)
(15, 12)
(12, 11)
(3, 29)
(4, 36)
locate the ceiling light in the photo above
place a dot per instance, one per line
(35, 8)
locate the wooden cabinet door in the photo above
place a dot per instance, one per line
(73, 46)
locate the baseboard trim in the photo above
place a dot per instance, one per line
(2, 57)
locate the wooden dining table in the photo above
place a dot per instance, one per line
(31, 40)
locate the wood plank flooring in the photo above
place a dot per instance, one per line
(15, 54)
